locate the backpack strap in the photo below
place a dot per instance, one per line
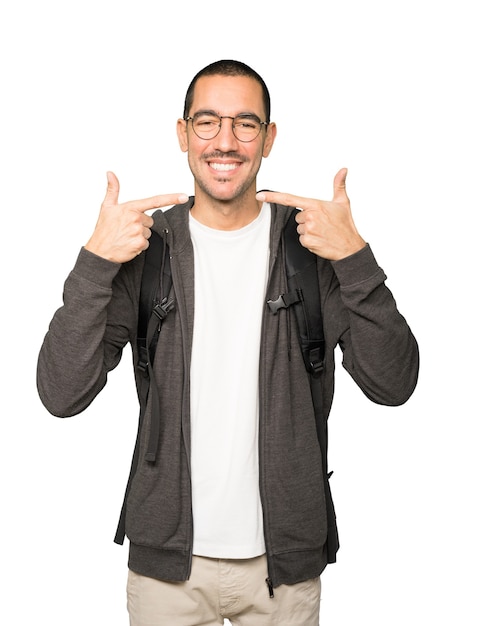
(154, 305)
(304, 296)
(302, 282)
(156, 279)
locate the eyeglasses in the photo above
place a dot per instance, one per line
(245, 127)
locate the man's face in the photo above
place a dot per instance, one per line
(225, 168)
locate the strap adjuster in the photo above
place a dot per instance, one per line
(285, 300)
(315, 363)
(143, 358)
(161, 309)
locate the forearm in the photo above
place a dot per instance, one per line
(76, 356)
(379, 349)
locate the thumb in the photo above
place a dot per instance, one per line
(113, 189)
(339, 185)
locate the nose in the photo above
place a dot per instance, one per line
(226, 141)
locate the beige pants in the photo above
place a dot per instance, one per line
(221, 589)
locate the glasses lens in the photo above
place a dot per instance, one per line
(246, 127)
(206, 125)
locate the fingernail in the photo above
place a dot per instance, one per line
(182, 198)
(260, 196)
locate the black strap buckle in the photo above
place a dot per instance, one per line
(315, 363)
(143, 358)
(285, 300)
(162, 308)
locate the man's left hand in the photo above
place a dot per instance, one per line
(325, 227)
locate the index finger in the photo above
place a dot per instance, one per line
(156, 202)
(286, 199)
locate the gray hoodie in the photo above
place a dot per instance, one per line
(99, 317)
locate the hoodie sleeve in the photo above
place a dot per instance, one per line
(86, 336)
(379, 349)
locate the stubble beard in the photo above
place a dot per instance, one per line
(215, 194)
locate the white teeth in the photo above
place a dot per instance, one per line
(223, 167)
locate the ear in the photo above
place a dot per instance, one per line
(269, 139)
(182, 134)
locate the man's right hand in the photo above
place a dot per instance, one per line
(123, 230)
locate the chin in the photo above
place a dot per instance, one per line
(224, 191)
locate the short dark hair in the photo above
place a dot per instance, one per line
(228, 68)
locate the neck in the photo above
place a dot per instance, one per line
(225, 214)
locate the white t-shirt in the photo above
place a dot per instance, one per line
(231, 271)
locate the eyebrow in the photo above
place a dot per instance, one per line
(205, 112)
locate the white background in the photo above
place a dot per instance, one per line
(388, 89)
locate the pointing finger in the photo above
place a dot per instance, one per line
(286, 199)
(156, 202)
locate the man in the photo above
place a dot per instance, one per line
(226, 510)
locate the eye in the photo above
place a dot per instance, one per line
(246, 123)
(206, 121)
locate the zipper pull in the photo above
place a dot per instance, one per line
(270, 587)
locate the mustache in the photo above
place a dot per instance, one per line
(217, 154)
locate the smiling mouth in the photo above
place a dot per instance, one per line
(224, 167)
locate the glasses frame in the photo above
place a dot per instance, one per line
(228, 117)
